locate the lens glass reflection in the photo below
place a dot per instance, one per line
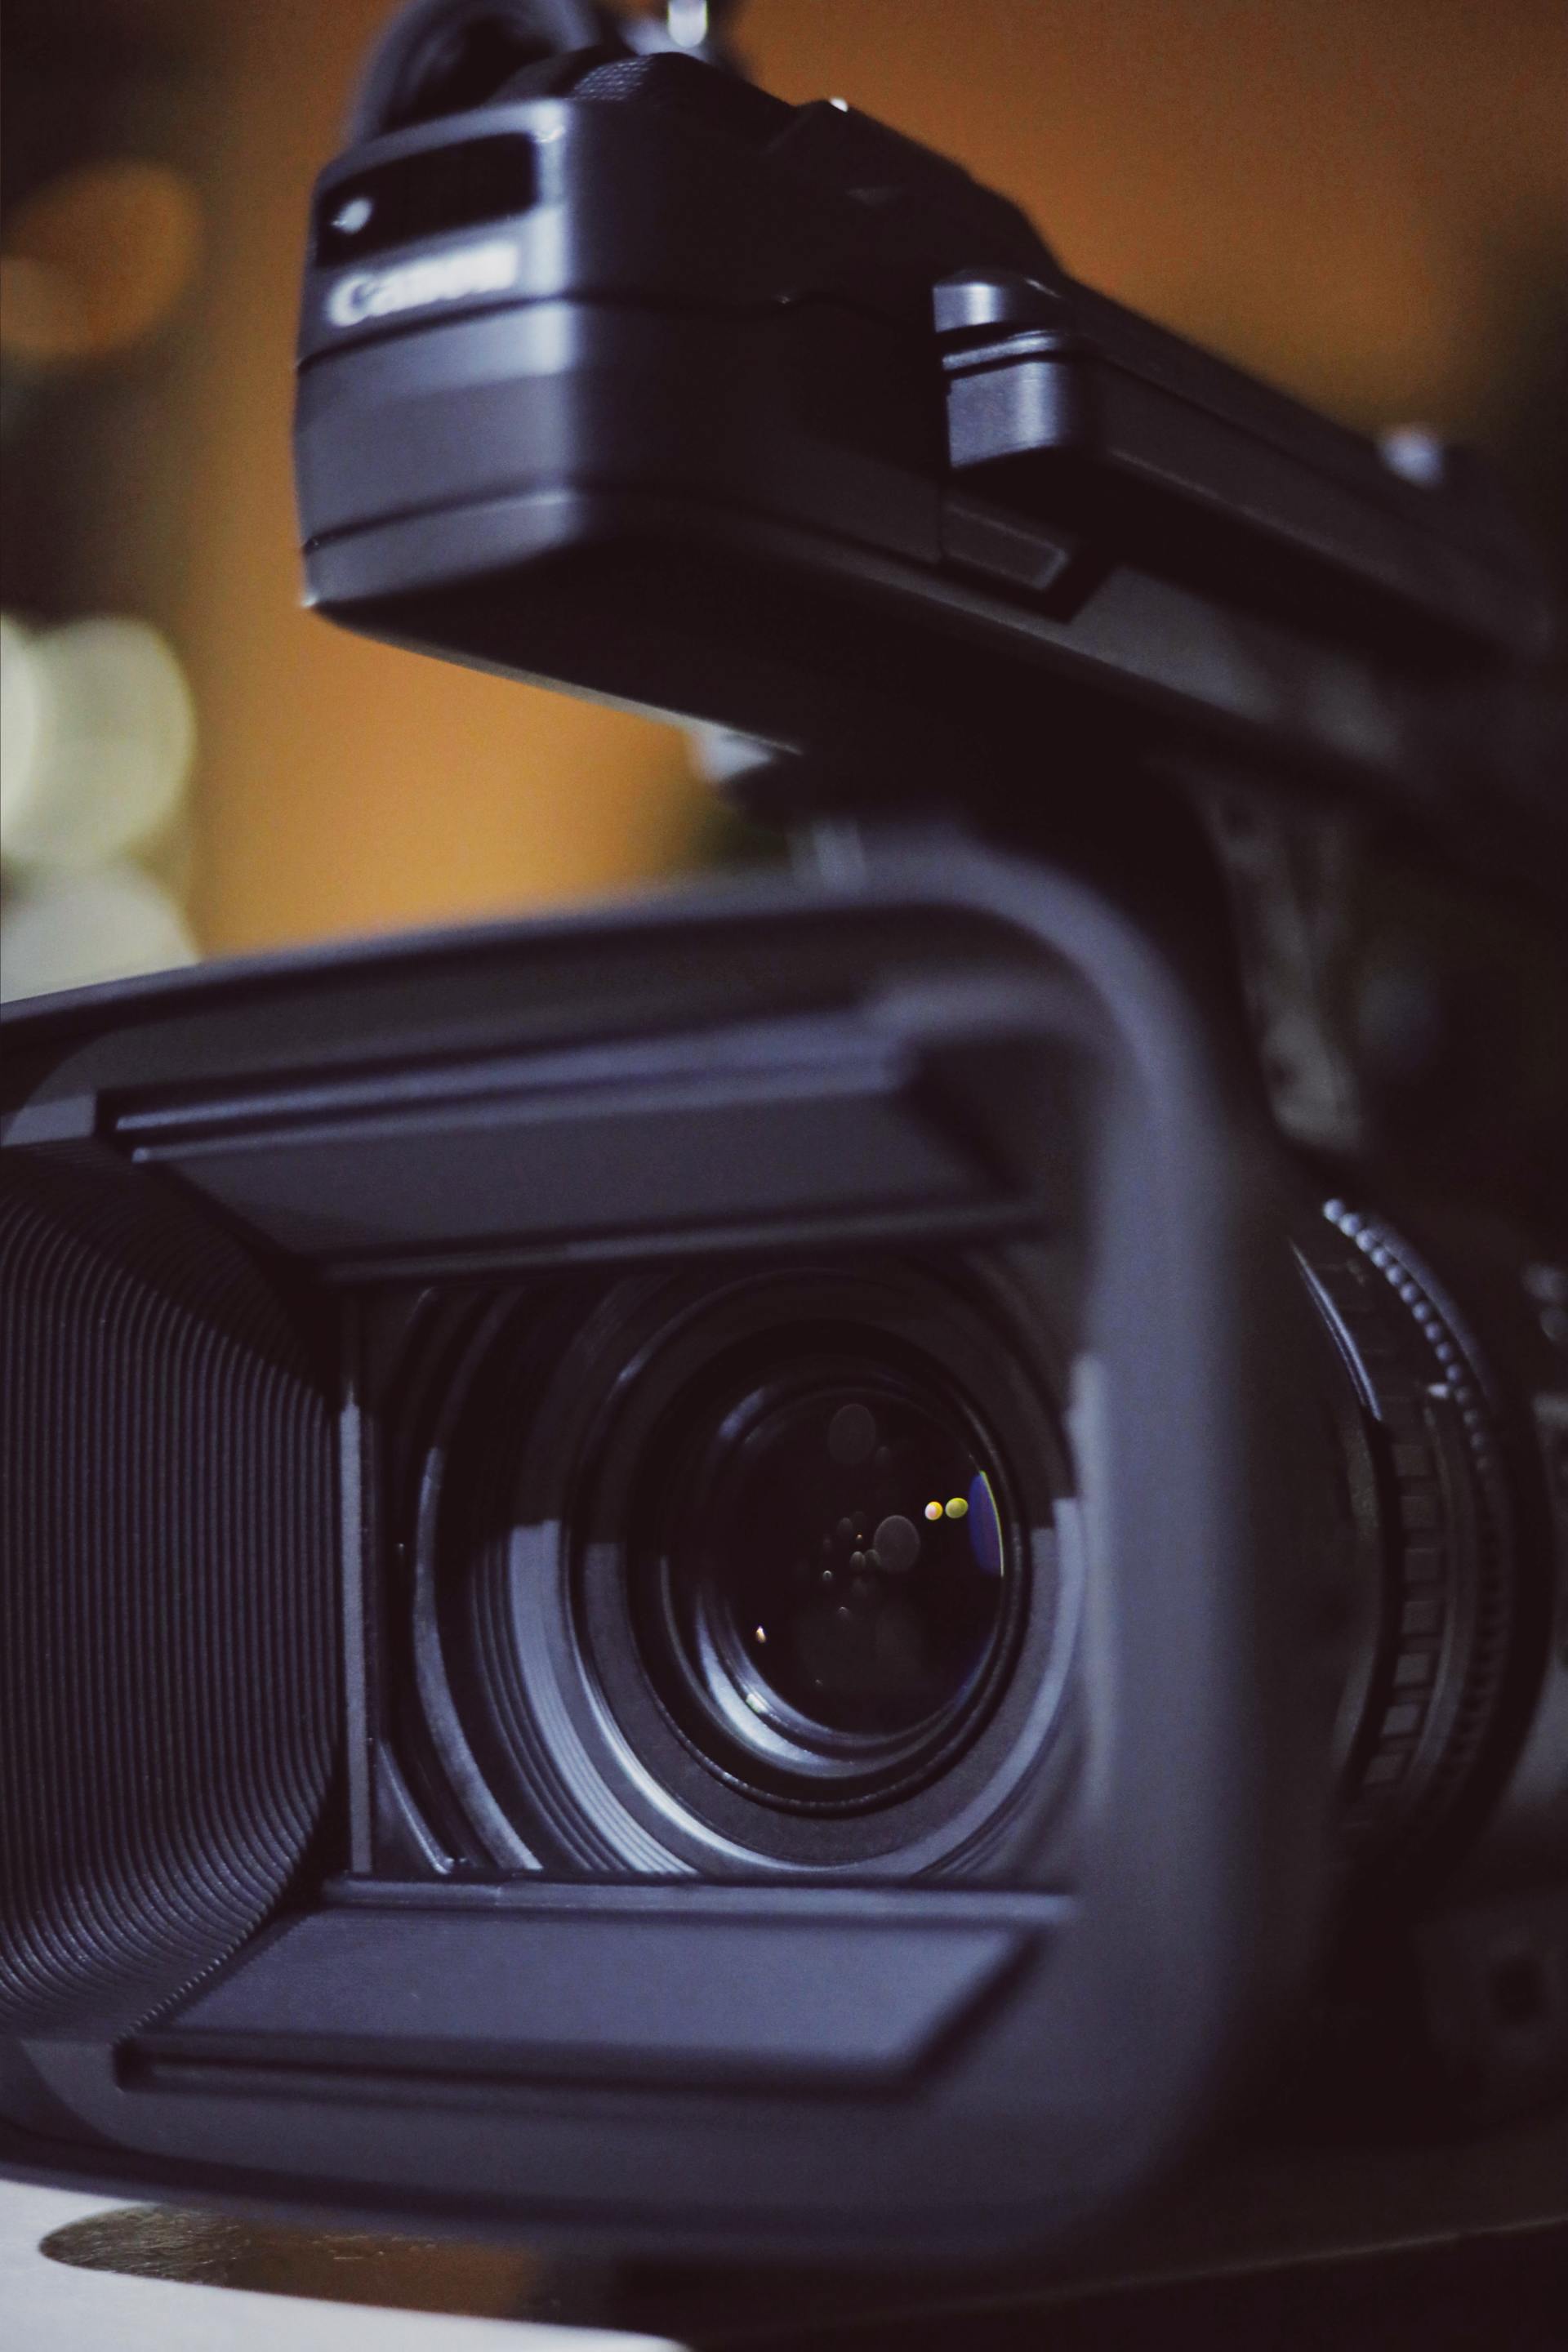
(841, 1560)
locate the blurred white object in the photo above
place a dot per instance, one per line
(22, 693)
(52, 2306)
(719, 754)
(1416, 454)
(64, 930)
(97, 734)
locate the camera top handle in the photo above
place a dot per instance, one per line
(617, 373)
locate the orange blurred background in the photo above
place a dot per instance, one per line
(1364, 200)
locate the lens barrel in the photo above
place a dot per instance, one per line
(1434, 1501)
(741, 1569)
(768, 1567)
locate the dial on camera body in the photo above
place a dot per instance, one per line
(783, 1565)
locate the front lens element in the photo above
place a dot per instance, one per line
(836, 1573)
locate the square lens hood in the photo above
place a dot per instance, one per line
(207, 1991)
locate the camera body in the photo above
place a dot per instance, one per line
(797, 1568)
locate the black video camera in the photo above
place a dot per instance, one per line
(807, 1566)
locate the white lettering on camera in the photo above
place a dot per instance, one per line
(488, 269)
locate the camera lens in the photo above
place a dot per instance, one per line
(835, 1579)
(752, 1566)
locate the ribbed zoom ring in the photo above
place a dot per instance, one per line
(168, 1682)
(1447, 1535)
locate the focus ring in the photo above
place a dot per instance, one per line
(1447, 1535)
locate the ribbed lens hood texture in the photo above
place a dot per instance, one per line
(168, 1678)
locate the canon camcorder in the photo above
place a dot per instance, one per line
(810, 1566)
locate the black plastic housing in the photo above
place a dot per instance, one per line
(768, 416)
(633, 379)
(1002, 2056)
